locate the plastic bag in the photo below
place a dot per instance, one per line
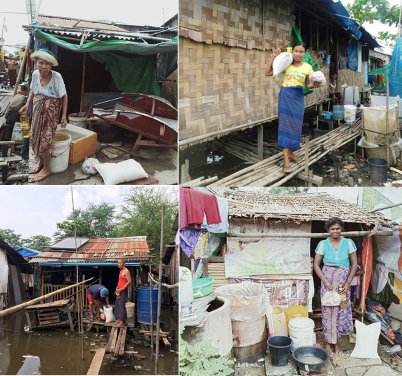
(281, 62)
(318, 77)
(314, 64)
(89, 166)
(109, 314)
(331, 299)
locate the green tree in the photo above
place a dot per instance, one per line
(378, 10)
(11, 238)
(66, 230)
(101, 218)
(141, 215)
(37, 242)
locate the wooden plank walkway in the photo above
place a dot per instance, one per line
(97, 362)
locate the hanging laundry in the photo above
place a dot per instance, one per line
(198, 203)
(183, 212)
(222, 227)
(188, 240)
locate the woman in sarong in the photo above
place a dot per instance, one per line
(340, 265)
(48, 94)
(120, 311)
(291, 102)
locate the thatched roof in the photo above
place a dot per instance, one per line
(299, 208)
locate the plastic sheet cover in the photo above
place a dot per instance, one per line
(374, 119)
(395, 70)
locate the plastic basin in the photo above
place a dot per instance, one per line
(310, 351)
(202, 287)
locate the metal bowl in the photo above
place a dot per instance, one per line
(310, 351)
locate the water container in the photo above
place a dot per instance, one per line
(130, 309)
(337, 112)
(144, 305)
(350, 113)
(279, 327)
(295, 311)
(378, 169)
(186, 286)
(77, 119)
(279, 349)
(301, 332)
(60, 152)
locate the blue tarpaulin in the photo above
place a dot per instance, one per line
(27, 252)
(352, 54)
(349, 25)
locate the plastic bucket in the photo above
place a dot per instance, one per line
(279, 348)
(144, 305)
(295, 311)
(378, 169)
(301, 331)
(350, 113)
(328, 115)
(130, 309)
(338, 112)
(279, 323)
(77, 119)
(60, 152)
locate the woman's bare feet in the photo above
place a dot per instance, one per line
(337, 349)
(327, 347)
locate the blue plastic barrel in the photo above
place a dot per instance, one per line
(144, 304)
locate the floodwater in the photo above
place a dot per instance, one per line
(59, 352)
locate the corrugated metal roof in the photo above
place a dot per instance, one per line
(99, 250)
(299, 207)
(77, 23)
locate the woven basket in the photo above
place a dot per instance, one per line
(381, 152)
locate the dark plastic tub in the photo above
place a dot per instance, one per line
(310, 351)
(279, 348)
(378, 169)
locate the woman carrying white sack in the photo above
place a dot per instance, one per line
(291, 102)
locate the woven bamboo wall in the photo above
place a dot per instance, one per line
(222, 62)
(351, 77)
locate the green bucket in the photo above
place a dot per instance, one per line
(202, 287)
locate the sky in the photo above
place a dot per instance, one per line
(35, 210)
(149, 12)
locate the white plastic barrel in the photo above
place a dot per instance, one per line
(77, 119)
(301, 331)
(278, 327)
(349, 113)
(60, 152)
(130, 309)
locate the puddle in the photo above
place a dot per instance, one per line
(51, 352)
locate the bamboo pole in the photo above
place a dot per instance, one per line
(387, 120)
(158, 322)
(152, 321)
(258, 235)
(21, 306)
(306, 151)
(82, 321)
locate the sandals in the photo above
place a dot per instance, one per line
(36, 169)
(297, 160)
(286, 172)
(99, 318)
(91, 319)
(37, 178)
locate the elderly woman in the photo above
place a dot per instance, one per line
(48, 95)
(291, 102)
(340, 266)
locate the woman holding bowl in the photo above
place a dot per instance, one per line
(49, 96)
(340, 265)
(291, 102)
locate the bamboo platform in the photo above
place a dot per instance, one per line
(108, 325)
(269, 171)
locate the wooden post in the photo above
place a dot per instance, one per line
(158, 322)
(83, 80)
(100, 275)
(152, 320)
(21, 69)
(260, 142)
(82, 317)
(306, 151)
(387, 121)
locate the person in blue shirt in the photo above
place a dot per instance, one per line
(340, 265)
(95, 295)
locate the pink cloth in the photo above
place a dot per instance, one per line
(197, 204)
